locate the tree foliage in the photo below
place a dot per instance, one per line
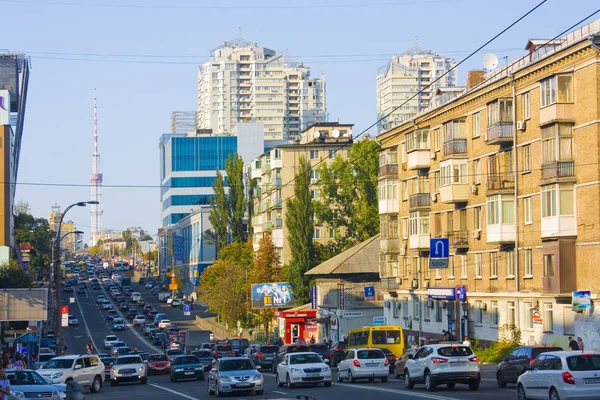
(34, 232)
(236, 198)
(13, 276)
(265, 269)
(219, 215)
(300, 223)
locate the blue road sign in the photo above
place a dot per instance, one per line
(461, 293)
(187, 309)
(369, 292)
(439, 247)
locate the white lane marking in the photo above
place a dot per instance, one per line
(85, 323)
(275, 391)
(173, 391)
(405, 392)
(491, 380)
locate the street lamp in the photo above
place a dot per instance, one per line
(57, 295)
(52, 244)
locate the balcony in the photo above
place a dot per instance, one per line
(418, 242)
(389, 284)
(420, 200)
(267, 226)
(557, 112)
(418, 159)
(559, 226)
(389, 245)
(388, 170)
(458, 239)
(560, 268)
(558, 169)
(455, 193)
(501, 233)
(389, 206)
(266, 167)
(500, 182)
(455, 146)
(277, 182)
(277, 203)
(276, 163)
(256, 172)
(500, 133)
(278, 223)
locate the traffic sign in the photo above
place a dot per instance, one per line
(461, 293)
(187, 309)
(173, 286)
(439, 247)
(369, 293)
(64, 310)
(438, 263)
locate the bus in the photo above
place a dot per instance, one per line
(385, 337)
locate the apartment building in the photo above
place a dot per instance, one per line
(243, 81)
(274, 172)
(508, 170)
(408, 75)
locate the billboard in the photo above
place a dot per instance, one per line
(24, 304)
(271, 295)
(582, 300)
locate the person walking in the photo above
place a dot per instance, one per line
(89, 347)
(573, 344)
(580, 343)
(4, 384)
(466, 342)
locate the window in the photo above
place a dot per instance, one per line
(568, 321)
(405, 266)
(419, 223)
(404, 190)
(528, 263)
(404, 228)
(453, 173)
(393, 227)
(477, 218)
(548, 264)
(388, 156)
(388, 189)
(525, 106)
(464, 272)
(476, 172)
(526, 158)
(494, 314)
(557, 143)
(416, 308)
(438, 139)
(499, 111)
(314, 154)
(475, 126)
(436, 182)
(427, 269)
(314, 194)
(557, 89)
(510, 315)
(393, 262)
(500, 209)
(548, 319)
(438, 311)
(478, 312)
(454, 130)
(405, 307)
(527, 210)
(528, 314)
(332, 153)
(416, 268)
(494, 264)
(426, 313)
(550, 208)
(314, 175)
(317, 234)
(451, 267)
(510, 264)
(478, 265)
(417, 140)
(395, 305)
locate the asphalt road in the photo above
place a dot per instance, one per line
(93, 323)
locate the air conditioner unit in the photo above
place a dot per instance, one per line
(433, 156)
(426, 285)
(415, 284)
(399, 280)
(403, 249)
(474, 189)
(521, 125)
(476, 234)
(433, 197)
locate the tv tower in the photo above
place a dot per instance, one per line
(95, 185)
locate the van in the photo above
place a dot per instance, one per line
(136, 296)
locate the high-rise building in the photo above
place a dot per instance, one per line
(406, 75)
(245, 82)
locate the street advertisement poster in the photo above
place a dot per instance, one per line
(271, 295)
(582, 300)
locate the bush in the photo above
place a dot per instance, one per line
(509, 338)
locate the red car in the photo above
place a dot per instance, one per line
(158, 364)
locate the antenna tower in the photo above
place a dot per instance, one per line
(95, 185)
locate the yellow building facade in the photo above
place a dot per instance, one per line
(509, 171)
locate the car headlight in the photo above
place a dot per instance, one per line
(257, 377)
(325, 369)
(198, 368)
(178, 369)
(225, 378)
(140, 368)
(296, 370)
(56, 375)
(17, 393)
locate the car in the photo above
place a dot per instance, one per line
(186, 367)
(158, 317)
(561, 375)
(142, 302)
(164, 324)
(87, 370)
(115, 346)
(142, 281)
(149, 285)
(149, 328)
(96, 286)
(235, 375)
(401, 362)
(111, 314)
(302, 368)
(172, 353)
(139, 319)
(205, 358)
(158, 364)
(322, 350)
(118, 324)
(81, 289)
(29, 384)
(170, 300)
(128, 368)
(43, 358)
(513, 365)
(368, 363)
(223, 350)
(336, 352)
(288, 348)
(239, 345)
(68, 289)
(159, 339)
(132, 312)
(110, 340)
(107, 305)
(263, 356)
(73, 321)
(176, 303)
(117, 351)
(172, 329)
(124, 306)
(100, 299)
(439, 364)
(391, 358)
(147, 308)
(108, 363)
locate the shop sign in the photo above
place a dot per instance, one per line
(537, 318)
(379, 321)
(441, 293)
(581, 300)
(351, 314)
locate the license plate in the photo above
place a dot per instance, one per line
(372, 365)
(243, 384)
(458, 364)
(160, 367)
(591, 381)
(189, 373)
(312, 375)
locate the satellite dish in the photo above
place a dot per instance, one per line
(335, 133)
(490, 61)
(317, 134)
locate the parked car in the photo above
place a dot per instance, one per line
(302, 368)
(235, 375)
(401, 362)
(129, 368)
(30, 384)
(517, 362)
(285, 349)
(322, 350)
(561, 375)
(368, 364)
(391, 359)
(205, 358)
(158, 364)
(87, 370)
(264, 354)
(186, 367)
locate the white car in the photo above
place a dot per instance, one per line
(164, 324)
(136, 296)
(100, 299)
(176, 303)
(118, 324)
(561, 375)
(363, 364)
(149, 285)
(129, 368)
(73, 320)
(439, 364)
(302, 368)
(106, 304)
(110, 340)
(87, 370)
(139, 319)
(170, 300)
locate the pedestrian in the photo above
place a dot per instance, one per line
(466, 342)
(19, 364)
(580, 343)
(573, 344)
(4, 384)
(312, 340)
(446, 335)
(414, 345)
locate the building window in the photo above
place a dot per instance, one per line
(526, 158)
(388, 189)
(478, 265)
(436, 181)
(494, 314)
(549, 196)
(478, 312)
(427, 269)
(317, 233)
(393, 227)
(453, 173)
(548, 264)
(419, 223)
(405, 307)
(510, 315)
(416, 268)
(475, 125)
(499, 111)
(314, 194)
(494, 264)
(404, 228)
(527, 210)
(438, 311)
(557, 89)
(393, 265)
(395, 305)
(528, 263)
(525, 106)
(332, 153)
(528, 315)
(477, 218)
(417, 140)
(426, 312)
(405, 266)
(314, 154)
(416, 308)
(500, 209)
(451, 267)
(314, 175)
(454, 130)
(510, 264)
(477, 171)
(404, 190)
(438, 273)
(568, 321)
(464, 272)
(548, 319)
(438, 139)
(557, 143)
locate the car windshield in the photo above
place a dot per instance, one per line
(235, 365)
(128, 360)
(58, 363)
(25, 378)
(123, 350)
(202, 353)
(584, 362)
(158, 357)
(239, 342)
(224, 348)
(305, 359)
(538, 351)
(319, 348)
(46, 357)
(107, 360)
(369, 354)
(297, 349)
(175, 352)
(187, 360)
(268, 349)
(455, 351)
(117, 321)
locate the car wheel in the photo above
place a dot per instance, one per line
(327, 383)
(521, 393)
(279, 384)
(371, 379)
(339, 377)
(288, 382)
(396, 375)
(144, 380)
(96, 385)
(407, 382)
(260, 392)
(451, 385)
(554, 395)
(500, 380)
(474, 384)
(210, 391)
(351, 377)
(429, 385)
(384, 379)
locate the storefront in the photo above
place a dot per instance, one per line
(294, 324)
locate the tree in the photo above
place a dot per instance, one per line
(236, 198)
(300, 223)
(34, 232)
(146, 238)
(219, 215)
(13, 276)
(265, 269)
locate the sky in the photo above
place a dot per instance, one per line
(142, 55)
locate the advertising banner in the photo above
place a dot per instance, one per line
(271, 295)
(581, 300)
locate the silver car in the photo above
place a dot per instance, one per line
(28, 384)
(235, 375)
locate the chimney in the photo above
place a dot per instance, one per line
(474, 78)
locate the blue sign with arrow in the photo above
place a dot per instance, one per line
(369, 293)
(439, 250)
(187, 309)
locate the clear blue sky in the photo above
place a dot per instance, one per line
(137, 94)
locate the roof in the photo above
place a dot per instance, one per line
(303, 307)
(533, 43)
(360, 259)
(27, 338)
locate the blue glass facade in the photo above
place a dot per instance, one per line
(201, 153)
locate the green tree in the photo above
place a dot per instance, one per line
(265, 269)
(34, 232)
(219, 214)
(13, 276)
(300, 223)
(236, 198)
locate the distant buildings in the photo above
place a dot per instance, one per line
(245, 82)
(71, 241)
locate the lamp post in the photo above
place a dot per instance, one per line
(57, 295)
(53, 246)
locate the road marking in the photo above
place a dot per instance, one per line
(491, 380)
(173, 391)
(405, 392)
(275, 391)
(85, 324)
